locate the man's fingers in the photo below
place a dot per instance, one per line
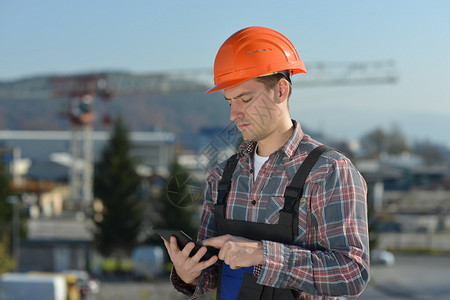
(216, 242)
(221, 254)
(188, 268)
(188, 248)
(207, 263)
(233, 262)
(174, 245)
(197, 256)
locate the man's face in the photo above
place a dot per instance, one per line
(254, 109)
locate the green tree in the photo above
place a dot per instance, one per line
(115, 184)
(396, 141)
(373, 223)
(6, 209)
(430, 152)
(6, 212)
(379, 141)
(7, 263)
(374, 143)
(180, 200)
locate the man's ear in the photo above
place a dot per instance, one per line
(283, 90)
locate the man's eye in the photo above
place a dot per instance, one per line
(246, 100)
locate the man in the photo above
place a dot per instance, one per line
(288, 215)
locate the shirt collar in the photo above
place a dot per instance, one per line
(289, 148)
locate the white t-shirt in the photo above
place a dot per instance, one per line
(258, 161)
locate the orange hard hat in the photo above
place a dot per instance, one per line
(252, 52)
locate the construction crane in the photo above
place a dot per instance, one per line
(320, 74)
(82, 91)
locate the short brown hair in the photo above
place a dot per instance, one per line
(271, 80)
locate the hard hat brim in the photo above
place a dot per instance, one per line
(230, 83)
(225, 85)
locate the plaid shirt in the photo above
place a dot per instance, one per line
(330, 256)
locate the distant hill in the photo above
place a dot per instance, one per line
(167, 104)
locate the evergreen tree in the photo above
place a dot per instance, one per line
(179, 202)
(7, 263)
(378, 142)
(373, 223)
(374, 143)
(6, 210)
(397, 143)
(115, 184)
(430, 152)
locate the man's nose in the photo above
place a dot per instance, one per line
(236, 111)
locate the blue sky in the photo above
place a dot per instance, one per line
(42, 37)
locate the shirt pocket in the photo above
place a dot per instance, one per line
(272, 211)
(275, 205)
(302, 219)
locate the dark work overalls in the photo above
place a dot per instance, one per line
(283, 232)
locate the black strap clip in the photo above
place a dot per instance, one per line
(291, 195)
(222, 191)
(225, 184)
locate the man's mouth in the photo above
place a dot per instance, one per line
(242, 125)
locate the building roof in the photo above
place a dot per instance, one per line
(152, 136)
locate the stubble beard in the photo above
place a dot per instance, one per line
(253, 135)
(260, 117)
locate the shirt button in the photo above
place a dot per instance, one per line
(251, 170)
(254, 202)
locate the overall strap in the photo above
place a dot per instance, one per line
(225, 183)
(294, 190)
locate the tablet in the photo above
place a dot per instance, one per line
(183, 239)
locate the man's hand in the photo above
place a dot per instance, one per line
(188, 268)
(237, 251)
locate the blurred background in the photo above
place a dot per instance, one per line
(105, 132)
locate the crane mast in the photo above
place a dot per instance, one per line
(81, 92)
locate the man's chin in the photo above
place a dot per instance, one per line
(249, 138)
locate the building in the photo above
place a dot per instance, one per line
(57, 239)
(49, 151)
